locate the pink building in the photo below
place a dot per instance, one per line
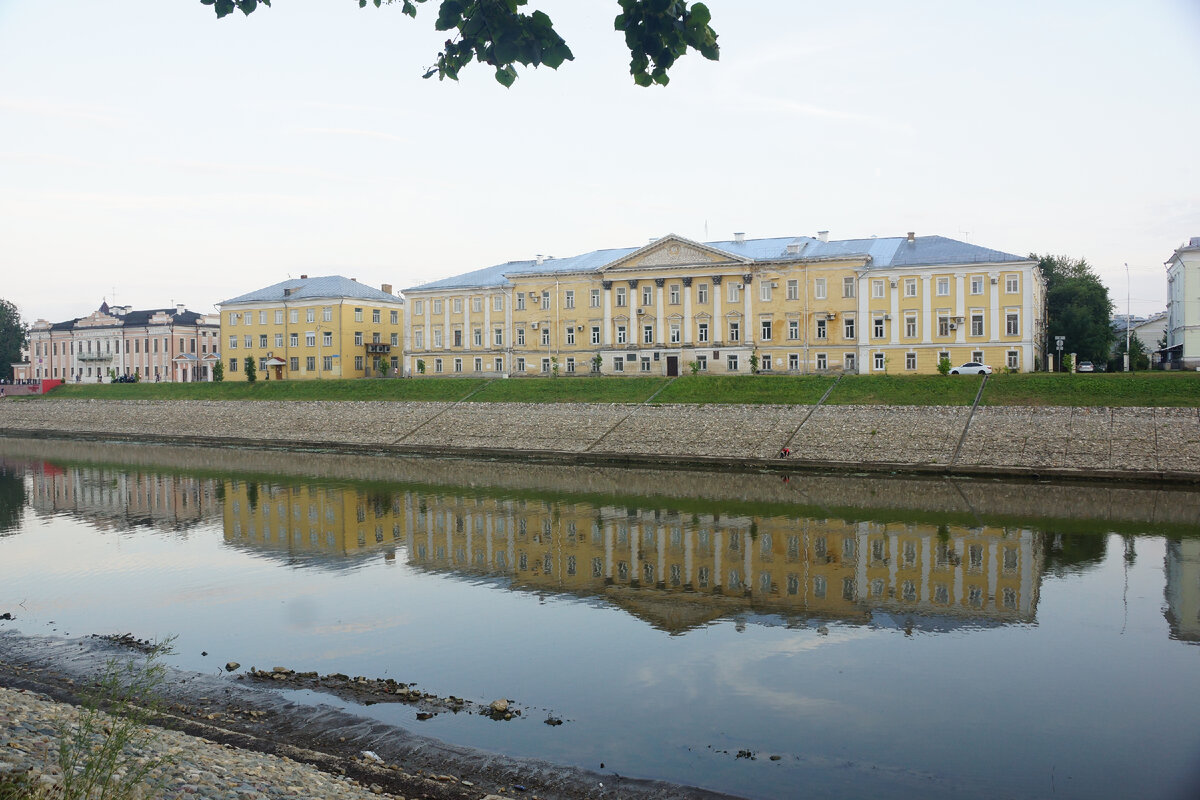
(170, 344)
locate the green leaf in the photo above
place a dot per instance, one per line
(506, 75)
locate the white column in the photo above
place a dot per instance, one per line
(748, 305)
(717, 547)
(926, 566)
(960, 309)
(926, 311)
(994, 305)
(894, 311)
(720, 324)
(635, 533)
(661, 554)
(687, 312)
(606, 330)
(608, 551)
(688, 555)
(488, 341)
(660, 321)
(958, 573)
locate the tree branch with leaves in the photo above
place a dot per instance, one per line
(498, 33)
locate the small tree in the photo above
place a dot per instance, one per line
(944, 365)
(1067, 363)
(754, 363)
(597, 362)
(694, 366)
(554, 366)
(218, 371)
(421, 365)
(251, 371)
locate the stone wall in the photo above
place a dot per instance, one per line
(1153, 444)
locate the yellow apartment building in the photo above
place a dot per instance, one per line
(674, 570)
(306, 328)
(795, 305)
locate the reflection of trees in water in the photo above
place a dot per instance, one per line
(1072, 553)
(12, 500)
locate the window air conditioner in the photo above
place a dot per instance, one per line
(886, 317)
(993, 281)
(533, 294)
(579, 328)
(739, 286)
(893, 284)
(533, 325)
(953, 326)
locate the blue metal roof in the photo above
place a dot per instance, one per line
(882, 252)
(321, 287)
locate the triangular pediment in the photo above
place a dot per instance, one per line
(674, 251)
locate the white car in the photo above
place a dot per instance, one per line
(971, 368)
(1087, 366)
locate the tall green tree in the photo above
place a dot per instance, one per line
(251, 371)
(1077, 307)
(13, 335)
(499, 34)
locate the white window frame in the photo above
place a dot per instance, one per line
(820, 289)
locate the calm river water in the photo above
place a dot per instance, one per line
(858, 636)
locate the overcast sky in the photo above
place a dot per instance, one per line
(151, 154)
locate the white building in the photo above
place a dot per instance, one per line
(1183, 307)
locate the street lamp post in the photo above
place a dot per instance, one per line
(1127, 316)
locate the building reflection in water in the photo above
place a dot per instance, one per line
(676, 571)
(1183, 589)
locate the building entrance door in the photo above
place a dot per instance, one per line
(672, 366)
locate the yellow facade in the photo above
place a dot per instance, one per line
(675, 570)
(676, 306)
(293, 334)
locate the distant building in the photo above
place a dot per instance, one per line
(1147, 330)
(305, 328)
(792, 305)
(1183, 307)
(166, 344)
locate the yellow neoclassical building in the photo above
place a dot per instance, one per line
(793, 305)
(305, 328)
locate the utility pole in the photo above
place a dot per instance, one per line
(1127, 316)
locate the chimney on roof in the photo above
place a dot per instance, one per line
(1195, 242)
(739, 237)
(823, 236)
(303, 277)
(180, 308)
(353, 279)
(386, 288)
(912, 236)
(539, 259)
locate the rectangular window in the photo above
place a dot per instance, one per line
(437, 337)
(735, 292)
(819, 289)
(822, 361)
(822, 329)
(262, 318)
(327, 363)
(977, 355)
(499, 365)
(520, 301)
(570, 366)
(847, 287)
(570, 298)
(458, 306)
(570, 334)
(594, 298)
(910, 326)
(735, 332)
(674, 294)
(618, 364)
(233, 365)
(702, 293)
(910, 287)
(848, 328)
(477, 337)
(943, 325)
(546, 365)
(233, 319)
(437, 365)
(793, 361)
(977, 324)
(621, 297)
(249, 342)
(358, 315)
(944, 354)
(976, 284)
(437, 307)
(498, 337)
(1012, 283)
(1010, 359)
(849, 362)
(620, 334)
(233, 340)
(310, 339)
(294, 316)
(766, 364)
(279, 340)
(910, 360)
(595, 334)
(793, 290)
(877, 289)
(877, 328)
(419, 339)
(358, 338)
(880, 362)
(647, 295)
(262, 340)
(765, 332)
(764, 291)
(294, 339)
(310, 362)
(419, 308)
(731, 362)
(943, 287)
(702, 332)
(458, 365)
(477, 305)
(648, 334)
(645, 363)
(1012, 324)
(675, 333)
(545, 335)
(358, 363)
(545, 300)
(394, 317)
(310, 315)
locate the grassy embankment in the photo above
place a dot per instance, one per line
(1035, 389)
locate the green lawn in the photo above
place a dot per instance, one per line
(1094, 389)
(749, 389)
(906, 390)
(1099, 389)
(570, 390)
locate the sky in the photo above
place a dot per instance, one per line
(151, 154)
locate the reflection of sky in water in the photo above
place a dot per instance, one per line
(1085, 696)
